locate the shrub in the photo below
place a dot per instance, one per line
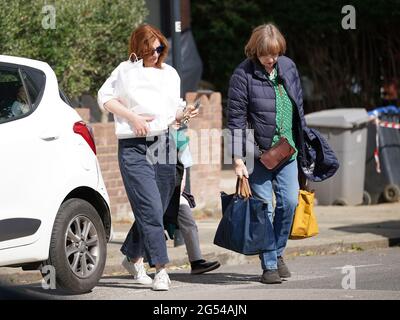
(89, 40)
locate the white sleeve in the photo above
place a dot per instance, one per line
(107, 90)
(185, 157)
(181, 104)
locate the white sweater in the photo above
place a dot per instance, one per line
(145, 91)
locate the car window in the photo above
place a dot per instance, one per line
(14, 99)
(35, 81)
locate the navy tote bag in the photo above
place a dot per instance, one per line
(245, 226)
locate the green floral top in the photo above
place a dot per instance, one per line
(180, 138)
(284, 113)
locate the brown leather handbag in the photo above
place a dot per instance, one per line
(277, 155)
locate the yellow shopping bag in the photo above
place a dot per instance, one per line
(304, 221)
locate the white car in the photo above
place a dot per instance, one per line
(54, 206)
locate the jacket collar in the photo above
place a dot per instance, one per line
(260, 72)
(258, 69)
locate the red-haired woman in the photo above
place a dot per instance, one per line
(143, 94)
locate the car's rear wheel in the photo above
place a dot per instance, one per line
(78, 247)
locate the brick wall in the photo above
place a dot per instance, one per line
(205, 178)
(84, 113)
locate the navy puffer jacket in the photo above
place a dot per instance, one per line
(251, 103)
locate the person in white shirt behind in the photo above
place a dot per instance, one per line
(143, 94)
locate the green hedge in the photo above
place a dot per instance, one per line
(89, 40)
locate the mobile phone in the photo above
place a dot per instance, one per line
(197, 104)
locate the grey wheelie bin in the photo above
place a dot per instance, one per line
(346, 132)
(383, 185)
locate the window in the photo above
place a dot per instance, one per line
(14, 101)
(35, 81)
(21, 89)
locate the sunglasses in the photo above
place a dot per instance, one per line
(159, 49)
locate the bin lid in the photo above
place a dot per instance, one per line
(346, 118)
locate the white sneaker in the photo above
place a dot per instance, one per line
(161, 281)
(138, 272)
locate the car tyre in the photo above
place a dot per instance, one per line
(78, 262)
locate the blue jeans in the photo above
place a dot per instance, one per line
(149, 188)
(284, 183)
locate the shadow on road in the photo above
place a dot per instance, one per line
(215, 278)
(388, 229)
(8, 292)
(208, 278)
(116, 242)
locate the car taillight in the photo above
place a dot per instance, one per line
(81, 128)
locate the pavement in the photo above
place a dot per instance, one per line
(342, 229)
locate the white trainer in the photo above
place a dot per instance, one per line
(161, 281)
(138, 272)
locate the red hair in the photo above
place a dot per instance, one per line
(141, 41)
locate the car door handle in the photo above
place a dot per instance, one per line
(49, 136)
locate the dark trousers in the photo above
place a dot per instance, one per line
(149, 188)
(171, 213)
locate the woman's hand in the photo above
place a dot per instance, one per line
(140, 124)
(188, 113)
(240, 168)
